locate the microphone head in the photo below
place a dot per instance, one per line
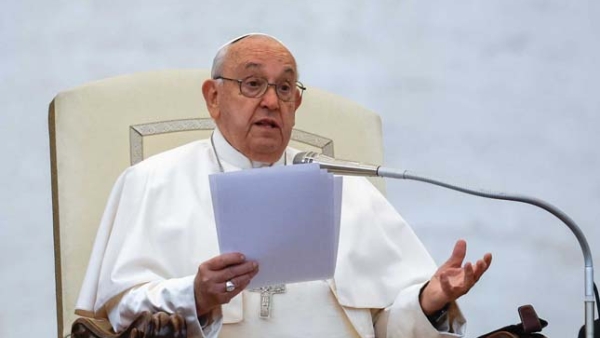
(336, 166)
(306, 157)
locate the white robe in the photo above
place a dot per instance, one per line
(158, 227)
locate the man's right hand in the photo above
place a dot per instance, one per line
(209, 285)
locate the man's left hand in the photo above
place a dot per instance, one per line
(452, 279)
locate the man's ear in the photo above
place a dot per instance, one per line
(211, 96)
(298, 102)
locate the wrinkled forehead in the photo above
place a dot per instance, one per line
(255, 51)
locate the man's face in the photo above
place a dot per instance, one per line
(260, 128)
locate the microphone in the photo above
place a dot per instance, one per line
(343, 167)
(336, 166)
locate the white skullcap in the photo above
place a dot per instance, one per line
(241, 37)
(217, 61)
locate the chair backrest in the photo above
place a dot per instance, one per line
(100, 128)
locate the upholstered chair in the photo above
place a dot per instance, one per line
(100, 128)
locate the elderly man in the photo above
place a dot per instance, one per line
(157, 247)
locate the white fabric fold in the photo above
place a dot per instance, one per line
(159, 225)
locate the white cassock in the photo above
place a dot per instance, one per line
(158, 227)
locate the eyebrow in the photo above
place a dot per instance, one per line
(290, 70)
(252, 65)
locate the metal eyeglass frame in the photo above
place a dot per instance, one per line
(299, 85)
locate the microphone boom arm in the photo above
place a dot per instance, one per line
(343, 167)
(587, 255)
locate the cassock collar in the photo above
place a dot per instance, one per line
(231, 159)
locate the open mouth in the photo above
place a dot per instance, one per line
(267, 124)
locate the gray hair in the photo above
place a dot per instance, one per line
(217, 66)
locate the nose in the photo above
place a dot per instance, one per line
(269, 99)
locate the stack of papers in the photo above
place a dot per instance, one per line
(287, 218)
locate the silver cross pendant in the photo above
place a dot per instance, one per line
(266, 296)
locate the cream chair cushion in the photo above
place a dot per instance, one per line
(100, 128)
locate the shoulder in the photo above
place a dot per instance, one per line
(189, 151)
(192, 156)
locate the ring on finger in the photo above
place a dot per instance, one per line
(229, 286)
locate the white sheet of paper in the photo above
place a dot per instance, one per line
(286, 218)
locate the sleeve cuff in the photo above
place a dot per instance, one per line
(406, 318)
(207, 326)
(174, 296)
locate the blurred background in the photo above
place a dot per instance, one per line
(499, 94)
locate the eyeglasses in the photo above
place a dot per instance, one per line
(254, 87)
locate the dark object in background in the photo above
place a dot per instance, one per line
(529, 327)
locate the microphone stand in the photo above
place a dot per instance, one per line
(587, 255)
(342, 167)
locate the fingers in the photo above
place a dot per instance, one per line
(458, 254)
(240, 282)
(456, 282)
(455, 278)
(487, 258)
(234, 271)
(241, 271)
(469, 277)
(482, 265)
(222, 261)
(228, 267)
(210, 282)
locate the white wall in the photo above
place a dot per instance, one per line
(501, 94)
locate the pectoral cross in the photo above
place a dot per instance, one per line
(266, 296)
